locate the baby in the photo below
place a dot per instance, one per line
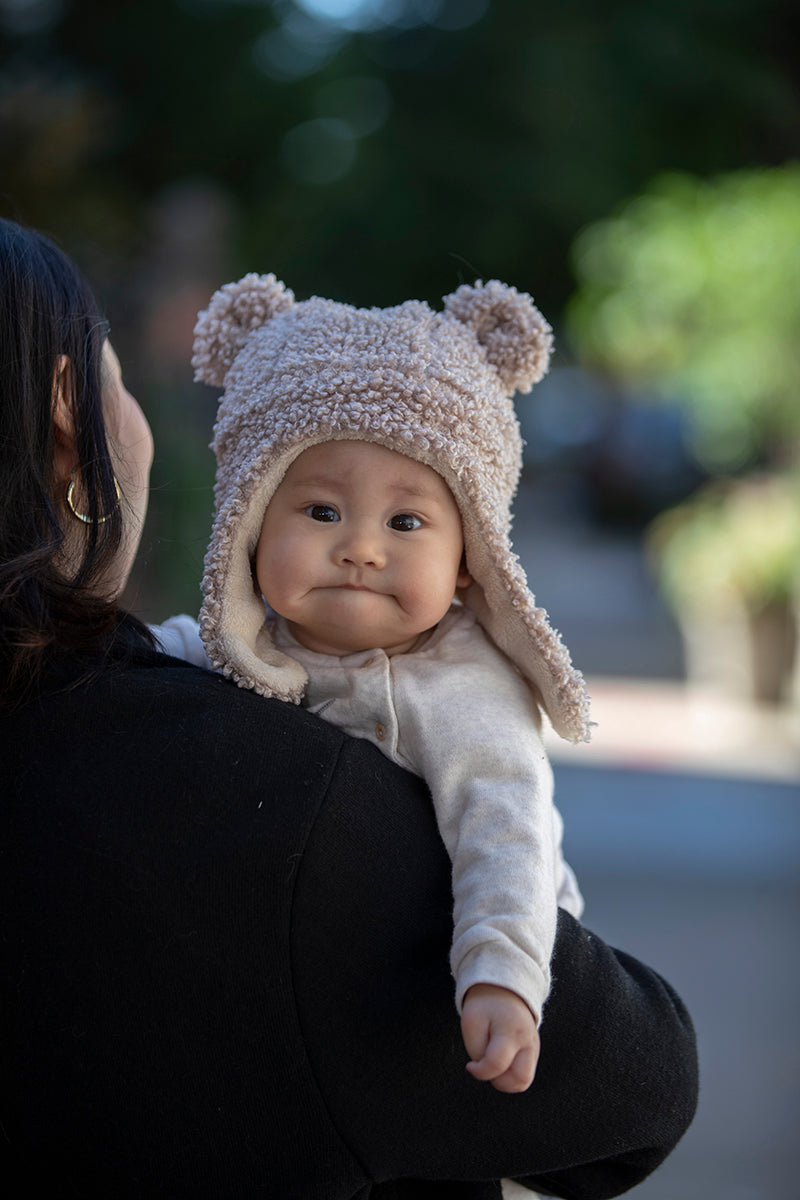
(360, 564)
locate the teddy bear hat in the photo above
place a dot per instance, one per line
(435, 386)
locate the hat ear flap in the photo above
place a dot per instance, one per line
(233, 313)
(513, 333)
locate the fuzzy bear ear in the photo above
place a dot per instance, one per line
(509, 326)
(233, 313)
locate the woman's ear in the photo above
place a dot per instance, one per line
(65, 454)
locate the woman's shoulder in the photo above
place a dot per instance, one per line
(145, 719)
(162, 830)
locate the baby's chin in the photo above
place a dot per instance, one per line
(342, 642)
(351, 621)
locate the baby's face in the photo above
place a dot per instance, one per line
(361, 548)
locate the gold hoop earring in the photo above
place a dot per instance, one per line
(79, 516)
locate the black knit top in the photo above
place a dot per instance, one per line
(225, 930)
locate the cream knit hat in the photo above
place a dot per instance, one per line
(437, 387)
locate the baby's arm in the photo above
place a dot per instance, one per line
(500, 1034)
(477, 743)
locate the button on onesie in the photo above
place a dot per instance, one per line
(354, 692)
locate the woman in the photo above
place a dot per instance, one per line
(226, 924)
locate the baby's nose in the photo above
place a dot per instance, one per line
(361, 547)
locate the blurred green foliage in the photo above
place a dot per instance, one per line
(735, 542)
(692, 291)
(498, 140)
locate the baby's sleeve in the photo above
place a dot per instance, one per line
(180, 637)
(568, 893)
(473, 728)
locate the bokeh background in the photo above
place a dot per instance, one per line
(636, 167)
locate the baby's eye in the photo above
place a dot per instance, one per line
(405, 522)
(322, 512)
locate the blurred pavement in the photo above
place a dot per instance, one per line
(683, 824)
(696, 874)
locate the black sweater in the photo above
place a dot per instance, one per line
(225, 943)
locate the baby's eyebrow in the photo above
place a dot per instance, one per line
(315, 481)
(411, 489)
(401, 486)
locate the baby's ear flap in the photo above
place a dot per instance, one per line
(507, 324)
(233, 313)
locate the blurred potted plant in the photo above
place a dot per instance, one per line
(729, 564)
(692, 293)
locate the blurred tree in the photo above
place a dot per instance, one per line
(369, 150)
(692, 292)
(386, 148)
(728, 561)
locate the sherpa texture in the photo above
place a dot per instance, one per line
(437, 387)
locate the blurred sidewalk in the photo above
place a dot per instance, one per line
(696, 873)
(666, 725)
(682, 821)
(601, 594)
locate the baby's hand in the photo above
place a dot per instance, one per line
(500, 1036)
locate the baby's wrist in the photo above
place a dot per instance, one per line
(496, 991)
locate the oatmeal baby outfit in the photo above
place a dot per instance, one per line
(438, 388)
(457, 713)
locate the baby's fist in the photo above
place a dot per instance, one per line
(500, 1036)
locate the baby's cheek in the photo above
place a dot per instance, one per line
(269, 576)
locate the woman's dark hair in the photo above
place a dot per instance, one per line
(50, 601)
